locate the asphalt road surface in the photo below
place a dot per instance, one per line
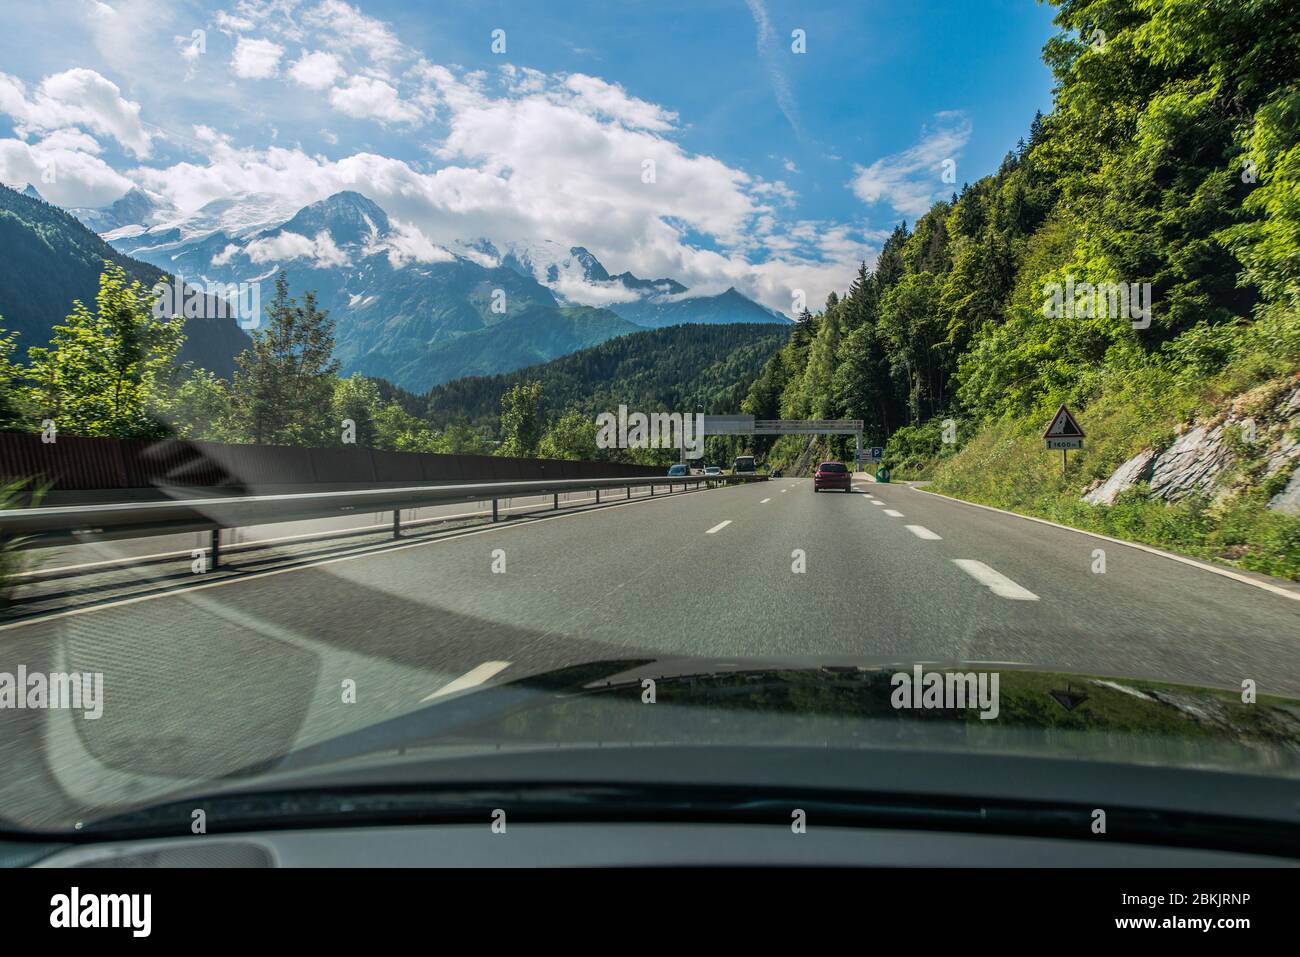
(207, 674)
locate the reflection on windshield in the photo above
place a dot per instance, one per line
(355, 397)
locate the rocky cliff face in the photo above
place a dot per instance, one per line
(1259, 428)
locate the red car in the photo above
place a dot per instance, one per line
(832, 475)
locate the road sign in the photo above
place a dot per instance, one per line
(877, 453)
(1064, 432)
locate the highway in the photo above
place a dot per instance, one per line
(206, 674)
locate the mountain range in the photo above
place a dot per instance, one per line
(405, 309)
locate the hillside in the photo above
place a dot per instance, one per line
(1134, 257)
(536, 334)
(696, 367)
(50, 259)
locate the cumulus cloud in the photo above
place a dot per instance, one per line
(346, 28)
(321, 250)
(594, 95)
(316, 71)
(910, 181)
(370, 97)
(76, 97)
(65, 167)
(256, 59)
(406, 244)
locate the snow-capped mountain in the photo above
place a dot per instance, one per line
(409, 310)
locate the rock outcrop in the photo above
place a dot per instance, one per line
(1137, 469)
(1192, 465)
(1200, 460)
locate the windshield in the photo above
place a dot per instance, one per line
(345, 348)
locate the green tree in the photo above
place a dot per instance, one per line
(200, 408)
(356, 401)
(521, 424)
(284, 383)
(105, 372)
(12, 404)
(572, 436)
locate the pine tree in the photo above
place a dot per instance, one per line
(284, 383)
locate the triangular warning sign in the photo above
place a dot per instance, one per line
(1063, 426)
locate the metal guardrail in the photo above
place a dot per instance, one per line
(44, 527)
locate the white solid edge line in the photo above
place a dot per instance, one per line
(893, 513)
(920, 531)
(1222, 572)
(385, 549)
(719, 527)
(994, 580)
(470, 679)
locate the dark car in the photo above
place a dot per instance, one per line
(832, 475)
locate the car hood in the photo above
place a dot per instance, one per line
(588, 732)
(954, 706)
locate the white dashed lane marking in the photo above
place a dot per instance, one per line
(994, 580)
(920, 531)
(719, 527)
(893, 513)
(470, 679)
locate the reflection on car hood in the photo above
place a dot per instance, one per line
(966, 706)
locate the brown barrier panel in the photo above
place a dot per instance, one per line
(263, 464)
(68, 462)
(442, 468)
(351, 466)
(397, 467)
(177, 462)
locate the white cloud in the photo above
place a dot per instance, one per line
(65, 167)
(371, 98)
(344, 27)
(910, 181)
(322, 250)
(405, 244)
(547, 164)
(594, 95)
(256, 59)
(76, 97)
(574, 289)
(316, 71)
(769, 51)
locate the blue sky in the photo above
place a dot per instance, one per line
(773, 170)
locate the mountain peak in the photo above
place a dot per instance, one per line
(348, 217)
(30, 190)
